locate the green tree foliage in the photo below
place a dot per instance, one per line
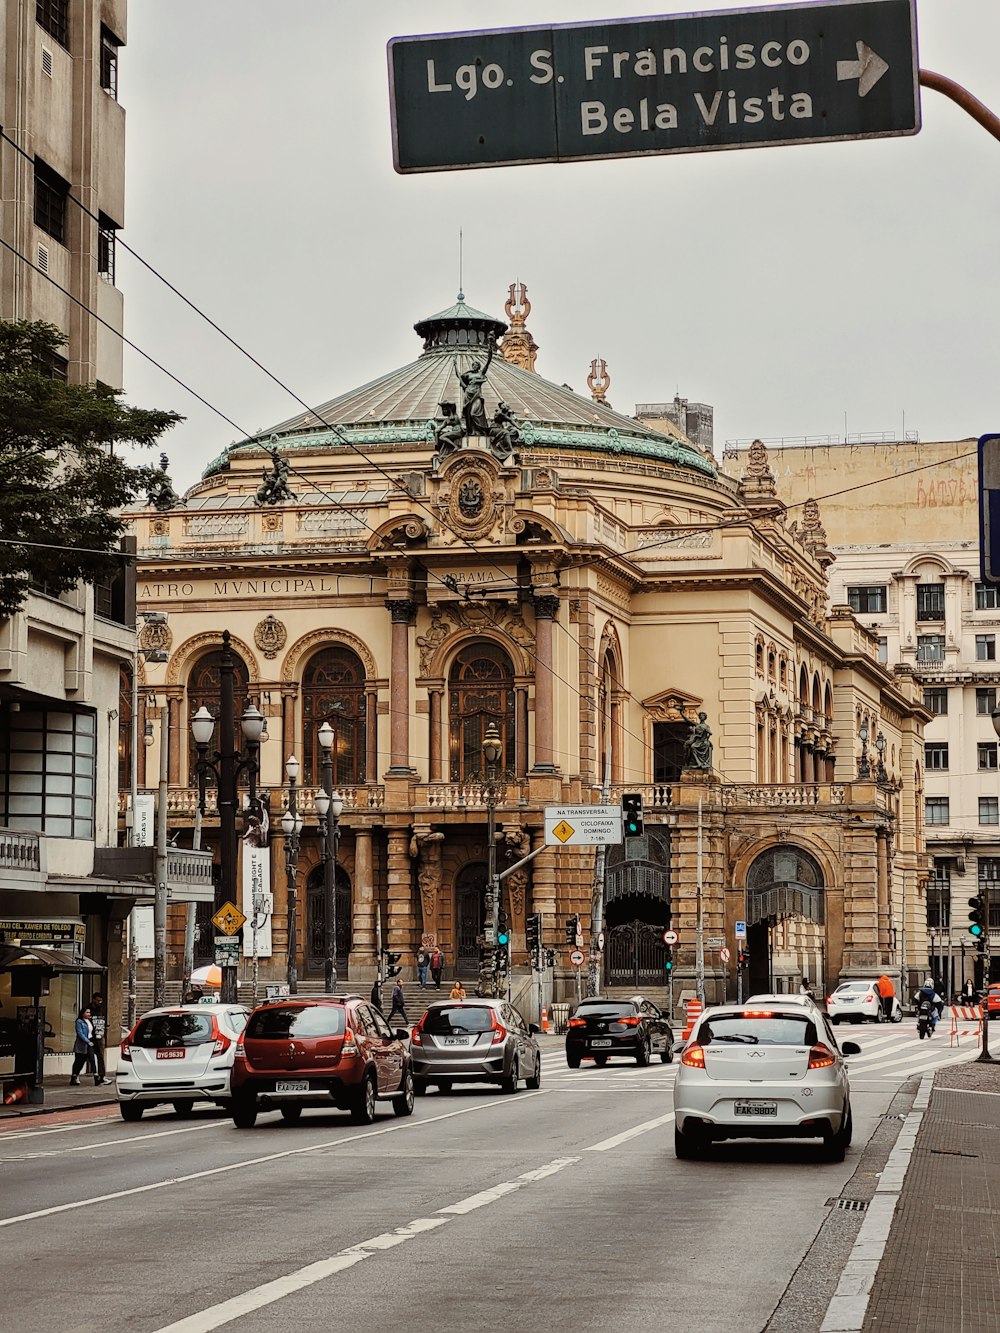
(63, 477)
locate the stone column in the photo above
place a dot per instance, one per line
(546, 610)
(362, 959)
(434, 695)
(288, 727)
(401, 909)
(543, 893)
(883, 891)
(403, 612)
(617, 740)
(371, 734)
(521, 724)
(179, 737)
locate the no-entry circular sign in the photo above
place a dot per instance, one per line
(670, 937)
(725, 955)
(576, 957)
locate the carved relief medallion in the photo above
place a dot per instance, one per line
(270, 636)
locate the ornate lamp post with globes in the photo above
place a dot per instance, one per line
(291, 826)
(329, 805)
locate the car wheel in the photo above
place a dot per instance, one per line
(363, 1106)
(419, 1087)
(403, 1104)
(444, 1085)
(508, 1084)
(835, 1145)
(898, 1016)
(573, 1061)
(685, 1147)
(880, 1015)
(131, 1111)
(667, 1054)
(835, 1021)
(291, 1114)
(600, 1061)
(535, 1082)
(244, 1112)
(642, 1054)
(184, 1107)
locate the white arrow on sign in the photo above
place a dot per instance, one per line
(576, 957)
(867, 69)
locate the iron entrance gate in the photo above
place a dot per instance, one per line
(634, 955)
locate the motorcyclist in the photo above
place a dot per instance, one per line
(928, 995)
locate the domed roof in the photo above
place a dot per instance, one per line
(398, 406)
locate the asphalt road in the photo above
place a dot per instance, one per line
(560, 1209)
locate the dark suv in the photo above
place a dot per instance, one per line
(320, 1051)
(602, 1028)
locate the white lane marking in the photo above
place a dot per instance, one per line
(112, 1143)
(257, 1161)
(270, 1292)
(56, 1129)
(606, 1145)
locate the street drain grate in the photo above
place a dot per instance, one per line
(848, 1205)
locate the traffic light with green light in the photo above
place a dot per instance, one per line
(632, 826)
(977, 926)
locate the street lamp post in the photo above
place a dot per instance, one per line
(864, 767)
(329, 805)
(226, 766)
(492, 749)
(291, 826)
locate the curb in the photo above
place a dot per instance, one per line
(849, 1304)
(54, 1110)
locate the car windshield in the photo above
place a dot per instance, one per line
(173, 1030)
(854, 988)
(759, 1029)
(459, 1019)
(604, 1009)
(314, 1020)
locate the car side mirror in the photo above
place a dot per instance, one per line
(533, 1028)
(850, 1048)
(402, 1034)
(678, 1047)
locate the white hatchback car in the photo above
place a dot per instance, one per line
(860, 1002)
(771, 1072)
(181, 1055)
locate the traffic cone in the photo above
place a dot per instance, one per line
(545, 1018)
(17, 1093)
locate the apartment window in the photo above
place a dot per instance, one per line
(48, 772)
(986, 647)
(51, 192)
(987, 598)
(883, 649)
(986, 701)
(930, 601)
(936, 701)
(939, 896)
(930, 647)
(936, 810)
(53, 15)
(868, 601)
(989, 886)
(106, 231)
(989, 810)
(987, 754)
(52, 366)
(109, 62)
(936, 754)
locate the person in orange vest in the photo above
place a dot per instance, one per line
(886, 991)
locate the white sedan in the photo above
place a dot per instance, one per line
(762, 1073)
(181, 1054)
(858, 1002)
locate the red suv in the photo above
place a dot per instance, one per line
(320, 1051)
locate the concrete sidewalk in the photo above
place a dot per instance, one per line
(59, 1096)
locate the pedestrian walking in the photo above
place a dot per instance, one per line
(376, 995)
(99, 1022)
(457, 991)
(423, 963)
(398, 1002)
(83, 1048)
(437, 965)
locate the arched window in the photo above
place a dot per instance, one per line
(205, 687)
(609, 684)
(480, 691)
(784, 881)
(333, 690)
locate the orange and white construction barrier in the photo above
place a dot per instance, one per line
(17, 1092)
(545, 1018)
(962, 1017)
(691, 1015)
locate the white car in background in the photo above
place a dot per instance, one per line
(860, 1002)
(179, 1054)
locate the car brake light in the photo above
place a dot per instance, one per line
(222, 1044)
(126, 1050)
(758, 1013)
(694, 1057)
(821, 1057)
(577, 1022)
(499, 1033)
(829, 999)
(240, 1052)
(630, 1021)
(415, 1037)
(350, 1046)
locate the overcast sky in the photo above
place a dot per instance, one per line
(800, 290)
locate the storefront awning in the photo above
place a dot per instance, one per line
(53, 961)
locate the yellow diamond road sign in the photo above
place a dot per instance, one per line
(563, 831)
(229, 918)
(583, 825)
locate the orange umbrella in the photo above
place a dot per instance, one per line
(209, 975)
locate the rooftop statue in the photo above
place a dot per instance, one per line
(162, 495)
(448, 431)
(505, 432)
(473, 404)
(274, 484)
(698, 746)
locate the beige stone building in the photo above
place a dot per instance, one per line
(902, 519)
(587, 585)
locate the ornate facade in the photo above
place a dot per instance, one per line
(465, 544)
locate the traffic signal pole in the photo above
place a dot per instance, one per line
(984, 1056)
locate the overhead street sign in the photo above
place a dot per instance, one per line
(583, 825)
(989, 508)
(683, 83)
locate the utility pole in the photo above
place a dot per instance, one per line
(699, 935)
(984, 1056)
(160, 868)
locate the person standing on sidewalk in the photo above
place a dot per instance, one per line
(99, 1022)
(437, 965)
(398, 1002)
(83, 1048)
(423, 962)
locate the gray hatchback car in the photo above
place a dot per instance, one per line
(474, 1041)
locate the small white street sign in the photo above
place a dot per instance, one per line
(576, 957)
(714, 942)
(583, 825)
(741, 930)
(670, 937)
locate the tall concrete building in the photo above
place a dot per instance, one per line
(902, 520)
